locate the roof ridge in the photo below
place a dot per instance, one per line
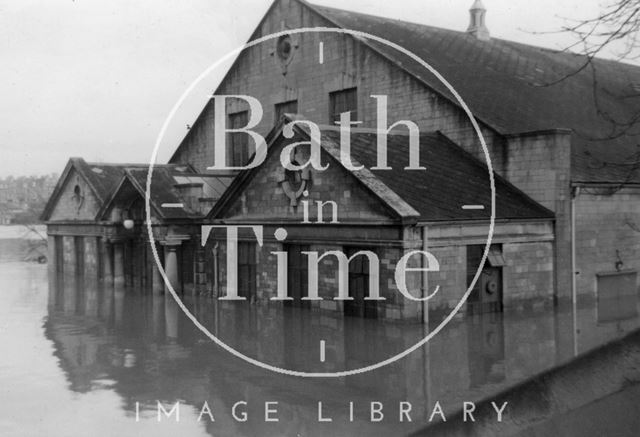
(462, 32)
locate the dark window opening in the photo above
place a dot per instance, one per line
(359, 286)
(284, 47)
(343, 101)
(290, 107)
(247, 270)
(494, 257)
(239, 142)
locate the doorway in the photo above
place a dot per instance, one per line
(359, 287)
(486, 296)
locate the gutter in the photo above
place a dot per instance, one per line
(425, 280)
(574, 297)
(484, 221)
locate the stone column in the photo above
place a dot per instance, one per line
(52, 273)
(118, 264)
(69, 256)
(171, 266)
(158, 314)
(171, 318)
(51, 256)
(118, 306)
(107, 262)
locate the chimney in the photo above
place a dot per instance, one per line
(477, 25)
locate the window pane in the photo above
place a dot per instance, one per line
(290, 107)
(343, 101)
(239, 141)
(246, 269)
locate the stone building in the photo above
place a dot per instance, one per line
(387, 213)
(561, 139)
(95, 223)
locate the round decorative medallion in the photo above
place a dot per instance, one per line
(284, 48)
(284, 51)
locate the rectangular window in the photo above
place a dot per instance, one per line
(343, 101)
(290, 107)
(238, 142)
(247, 270)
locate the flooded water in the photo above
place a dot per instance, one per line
(80, 359)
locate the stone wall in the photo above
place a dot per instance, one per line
(528, 274)
(606, 224)
(71, 206)
(347, 64)
(540, 165)
(395, 306)
(452, 277)
(527, 248)
(263, 198)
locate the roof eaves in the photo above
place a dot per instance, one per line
(553, 131)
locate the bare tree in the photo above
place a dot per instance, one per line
(616, 27)
(614, 30)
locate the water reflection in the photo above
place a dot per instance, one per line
(142, 348)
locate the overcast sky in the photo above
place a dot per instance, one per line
(97, 78)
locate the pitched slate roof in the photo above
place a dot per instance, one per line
(453, 178)
(164, 189)
(507, 87)
(102, 179)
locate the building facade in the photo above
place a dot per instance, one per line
(566, 189)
